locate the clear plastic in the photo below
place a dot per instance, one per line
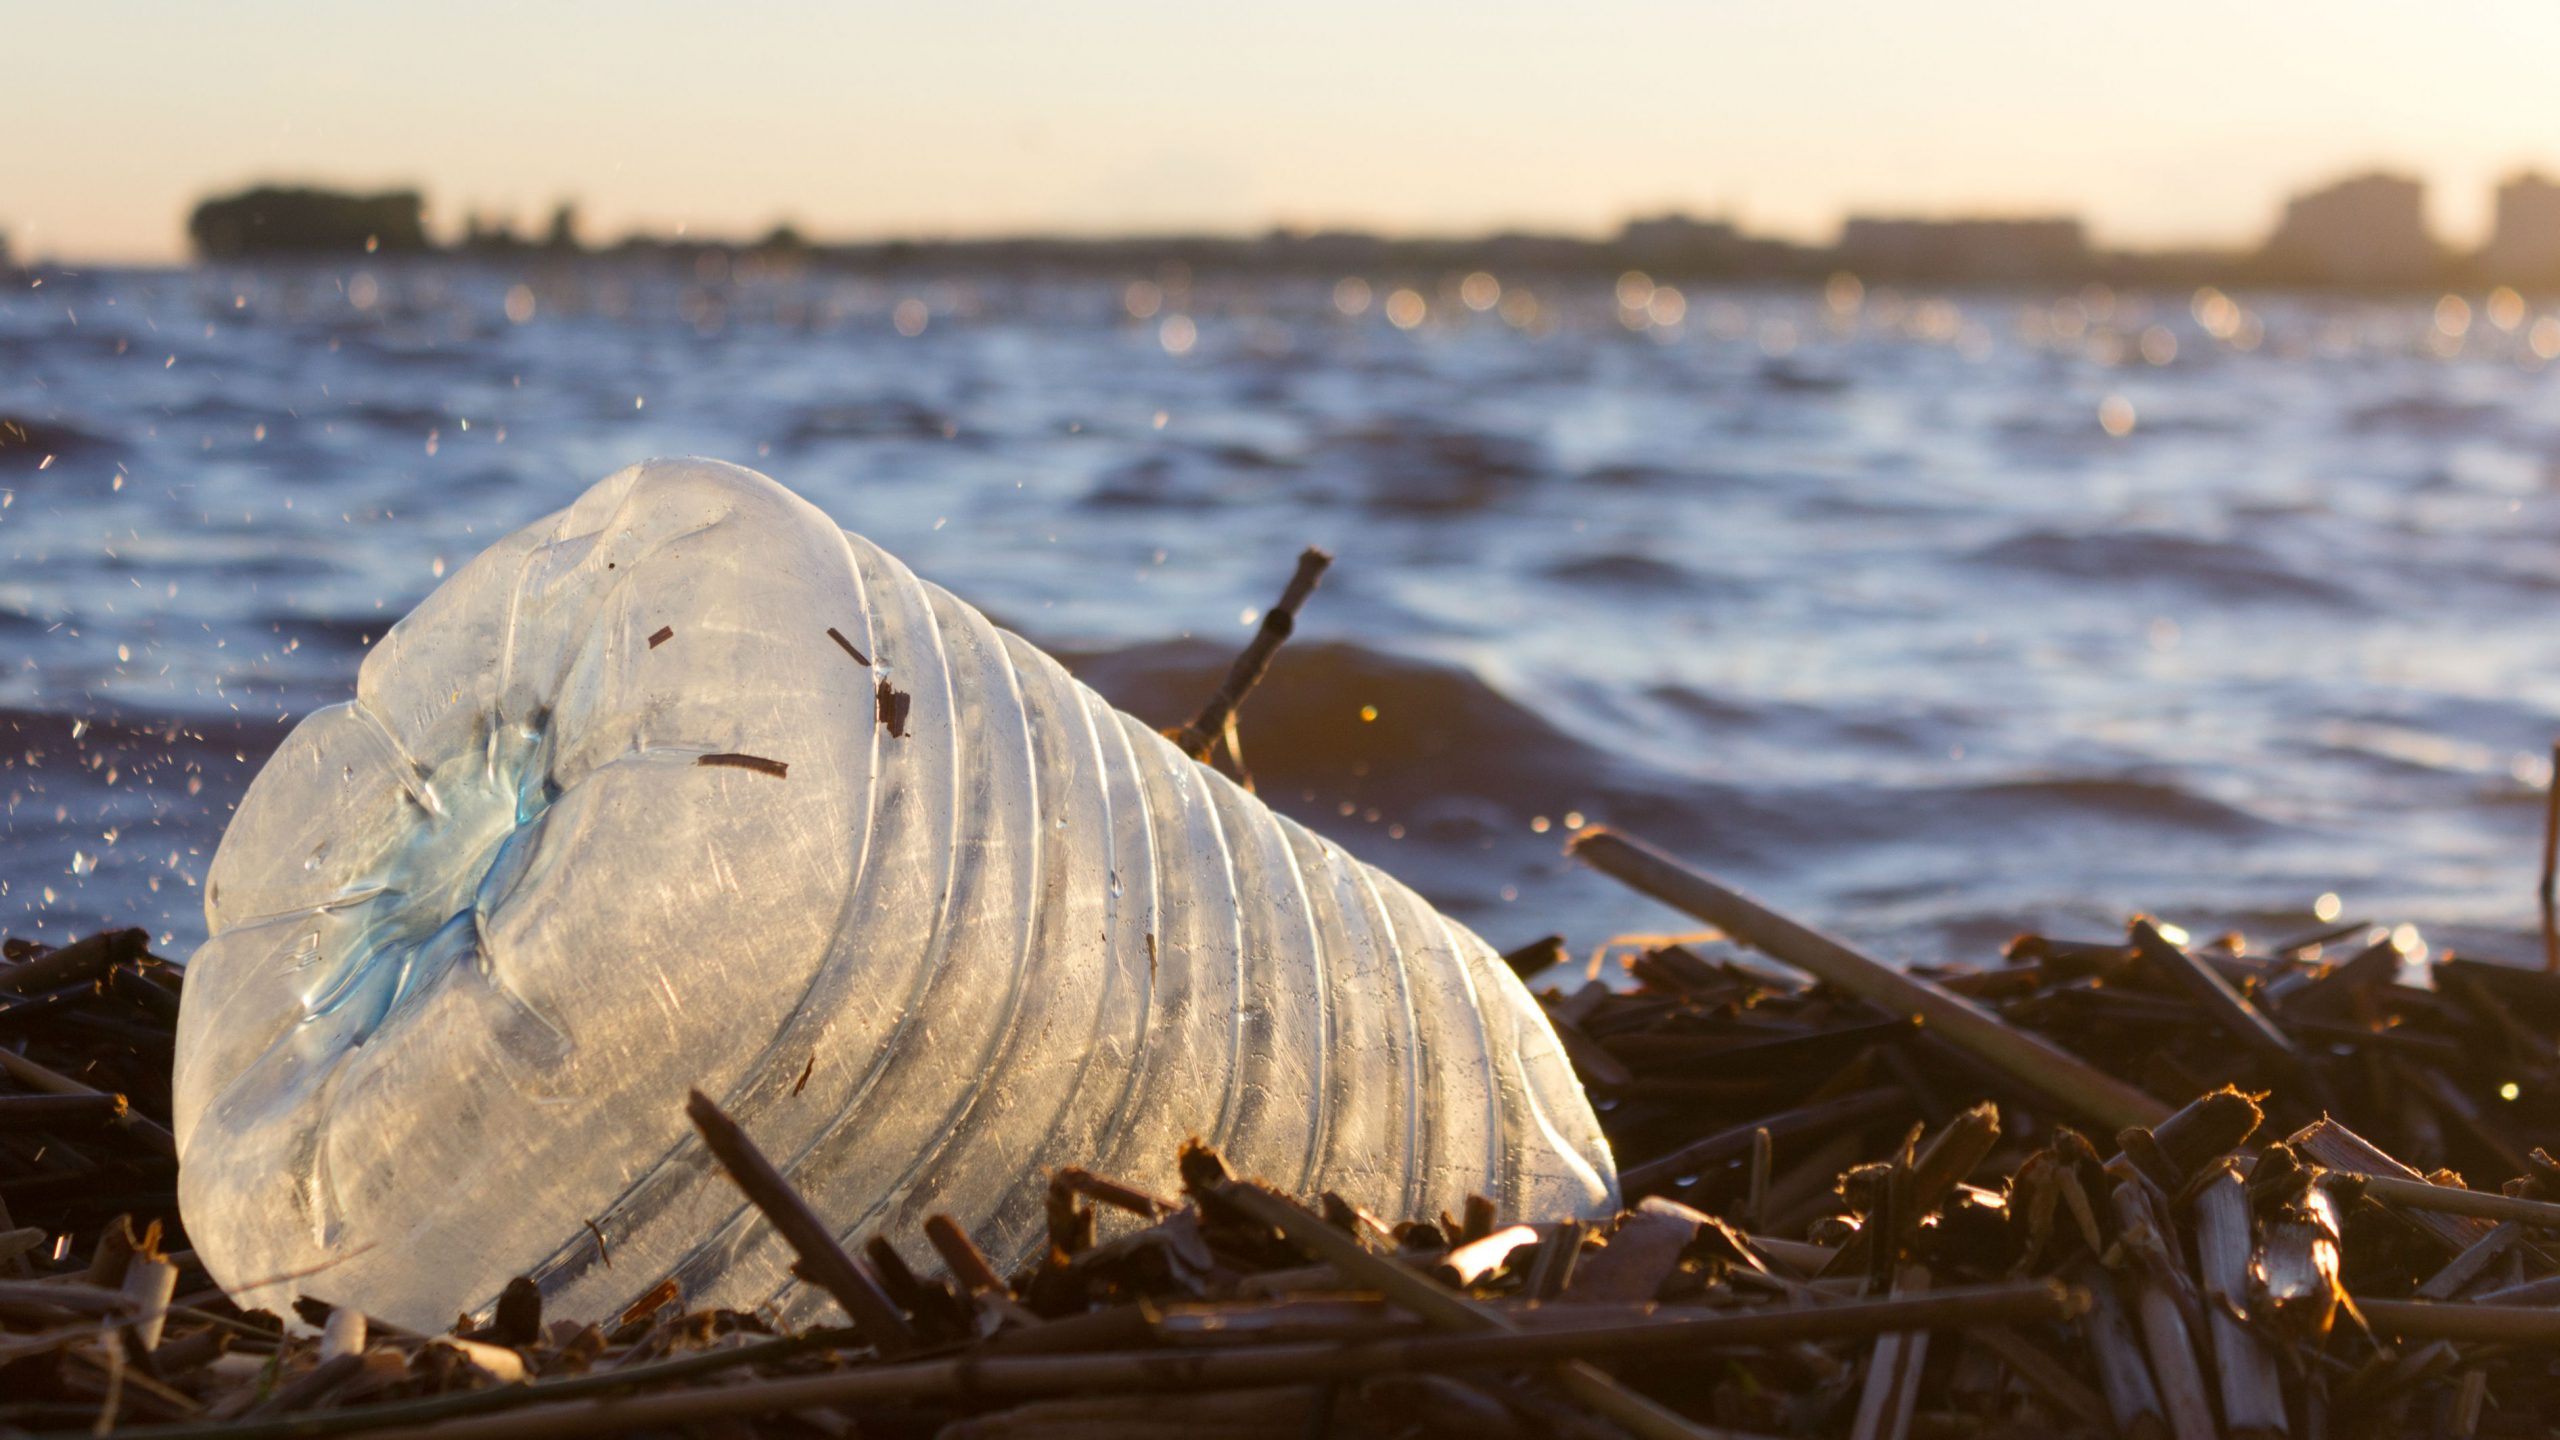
(685, 786)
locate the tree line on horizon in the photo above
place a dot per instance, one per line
(2322, 242)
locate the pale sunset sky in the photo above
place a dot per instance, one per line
(2172, 121)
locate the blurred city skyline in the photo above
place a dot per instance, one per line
(1431, 118)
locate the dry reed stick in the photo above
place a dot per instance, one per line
(823, 1262)
(2252, 1391)
(2454, 1200)
(151, 1133)
(1106, 1372)
(2551, 866)
(83, 959)
(1446, 1309)
(1201, 735)
(2040, 1064)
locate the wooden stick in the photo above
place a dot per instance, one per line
(2551, 866)
(823, 1262)
(60, 1112)
(2222, 1004)
(151, 1133)
(84, 959)
(1536, 956)
(71, 1295)
(2532, 1292)
(2454, 1200)
(2041, 1065)
(1822, 1117)
(2468, 1266)
(1891, 1391)
(2534, 1325)
(967, 1263)
(1077, 1180)
(1242, 1367)
(1199, 737)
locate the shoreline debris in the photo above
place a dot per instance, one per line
(1845, 1216)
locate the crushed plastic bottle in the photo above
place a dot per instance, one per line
(685, 786)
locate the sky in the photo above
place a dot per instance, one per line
(2169, 122)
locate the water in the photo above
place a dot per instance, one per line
(1860, 605)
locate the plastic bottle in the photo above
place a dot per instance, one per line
(685, 786)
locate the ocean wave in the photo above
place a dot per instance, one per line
(1331, 712)
(26, 441)
(1627, 571)
(2427, 415)
(2066, 799)
(1416, 466)
(1186, 478)
(2226, 569)
(882, 416)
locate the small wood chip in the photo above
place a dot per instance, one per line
(665, 634)
(775, 768)
(893, 709)
(838, 636)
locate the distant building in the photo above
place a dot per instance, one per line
(1508, 250)
(1327, 249)
(1965, 249)
(2364, 230)
(2524, 243)
(1675, 242)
